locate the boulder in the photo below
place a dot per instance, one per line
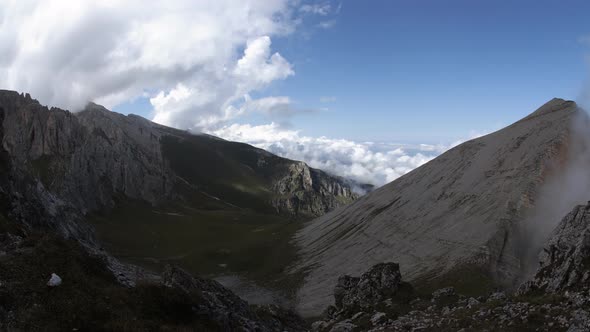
(381, 282)
(54, 280)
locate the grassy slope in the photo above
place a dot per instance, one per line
(89, 299)
(240, 234)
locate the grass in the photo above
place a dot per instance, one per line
(89, 298)
(205, 242)
(224, 224)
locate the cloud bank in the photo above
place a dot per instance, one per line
(365, 162)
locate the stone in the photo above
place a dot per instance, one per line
(380, 283)
(54, 280)
(378, 318)
(319, 326)
(344, 326)
(472, 303)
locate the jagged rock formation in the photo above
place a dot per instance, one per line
(564, 263)
(310, 191)
(445, 309)
(381, 282)
(455, 212)
(71, 164)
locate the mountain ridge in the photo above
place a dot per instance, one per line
(457, 211)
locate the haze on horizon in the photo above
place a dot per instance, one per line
(365, 90)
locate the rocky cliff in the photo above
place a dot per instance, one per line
(564, 262)
(75, 163)
(455, 214)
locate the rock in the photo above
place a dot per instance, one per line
(443, 292)
(472, 303)
(580, 321)
(378, 318)
(232, 313)
(565, 259)
(381, 282)
(54, 280)
(497, 296)
(344, 326)
(319, 326)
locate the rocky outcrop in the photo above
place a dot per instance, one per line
(381, 282)
(229, 311)
(564, 263)
(312, 192)
(64, 165)
(457, 212)
(445, 309)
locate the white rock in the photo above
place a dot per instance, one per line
(378, 318)
(54, 281)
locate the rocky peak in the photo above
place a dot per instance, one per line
(554, 105)
(455, 213)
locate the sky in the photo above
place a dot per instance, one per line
(368, 90)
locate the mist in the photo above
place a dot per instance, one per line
(567, 186)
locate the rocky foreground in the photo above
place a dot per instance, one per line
(48, 283)
(557, 298)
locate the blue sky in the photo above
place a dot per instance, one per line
(431, 71)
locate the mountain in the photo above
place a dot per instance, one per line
(154, 195)
(86, 158)
(452, 221)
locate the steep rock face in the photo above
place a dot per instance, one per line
(310, 191)
(77, 163)
(85, 158)
(458, 210)
(565, 260)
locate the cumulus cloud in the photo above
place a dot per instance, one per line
(366, 162)
(196, 59)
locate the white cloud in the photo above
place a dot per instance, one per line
(367, 162)
(327, 24)
(316, 9)
(185, 54)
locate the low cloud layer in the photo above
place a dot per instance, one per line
(366, 162)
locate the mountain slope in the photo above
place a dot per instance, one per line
(88, 157)
(154, 195)
(452, 219)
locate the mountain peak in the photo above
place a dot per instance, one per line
(553, 105)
